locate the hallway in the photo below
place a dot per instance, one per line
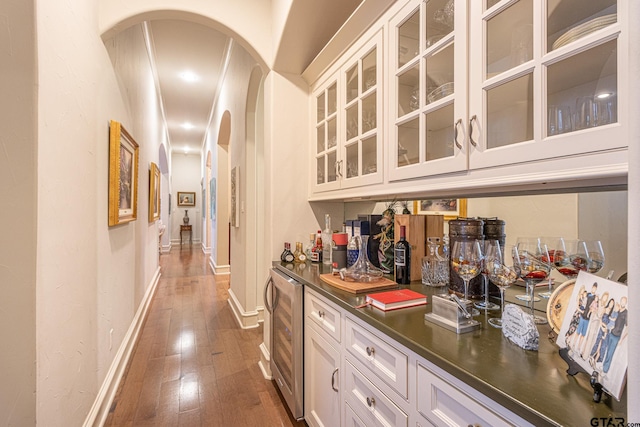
(193, 365)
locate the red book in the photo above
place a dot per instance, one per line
(391, 300)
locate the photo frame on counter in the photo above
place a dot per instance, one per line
(186, 198)
(595, 330)
(449, 208)
(154, 192)
(123, 175)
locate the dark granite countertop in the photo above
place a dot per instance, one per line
(533, 385)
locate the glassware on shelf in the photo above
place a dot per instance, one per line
(595, 256)
(532, 263)
(363, 270)
(492, 255)
(559, 120)
(466, 261)
(503, 277)
(569, 257)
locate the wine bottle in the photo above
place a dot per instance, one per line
(402, 259)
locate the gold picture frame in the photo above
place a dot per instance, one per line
(123, 175)
(154, 192)
(450, 208)
(186, 198)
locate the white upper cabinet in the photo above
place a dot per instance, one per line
(348, 131)
(544, 80)
(428, 89)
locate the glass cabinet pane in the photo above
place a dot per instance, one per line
(408, 91)
(491, 3)
(352, 83)
(320, 108)
(439, 137)
(570, 20)
(588, 97)
(352, 122)
(369, 155)
(369, 71)
(320, 173)
(408, 39)
(408, 143)
(320, 138)
(510, 38)
(440, 74)
(439, 17)
(369, 113)
(331, 167)
(332, 99)
(352, 161)
(332, 135)
(510, 112)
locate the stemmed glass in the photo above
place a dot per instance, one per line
(532, 264)
(570, 257)
(595, 256)
(466, 260)
(503, 277)
(527, 296)
(492, 255)
(553, 244)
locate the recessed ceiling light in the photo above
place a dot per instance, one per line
(189, 76)
(187, 126)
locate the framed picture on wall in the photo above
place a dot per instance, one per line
(186, 198)
(450, 208)
(154, 192)
(123, 175)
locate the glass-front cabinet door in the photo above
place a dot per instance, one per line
(428, 89)
(362, 116)
(544, 80)
(326, 137)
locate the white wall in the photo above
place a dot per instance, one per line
(185, 176)
(18, 192)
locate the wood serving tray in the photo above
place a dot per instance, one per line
(358, 287)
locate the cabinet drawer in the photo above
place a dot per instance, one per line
(325, 316)
(383, 359)
(445, 405)
(351, 419)
(373, 406)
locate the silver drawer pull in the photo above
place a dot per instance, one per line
(370, 351)
(320, 313)
(474, 425)
(371, 401)
(333, 379)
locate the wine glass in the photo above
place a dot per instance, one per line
(527, 240)
(466, 261)
(595, 256)
(553, 244)
(532, 264)
(570, 257)
(503, 277)
(492, 254)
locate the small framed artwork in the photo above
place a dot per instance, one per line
(235, 183)
(595, 329)
(154, 192)
(123, 175)
(450, 208)
(186, 198)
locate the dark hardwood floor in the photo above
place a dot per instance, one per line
(193, 365)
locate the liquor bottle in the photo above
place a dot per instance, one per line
(309, 248)
(286, 256)
(402, 259)
(316, 252)
(327, 239)
(352, 251)
(298, 255)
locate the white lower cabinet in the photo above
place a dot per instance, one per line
(351, 419)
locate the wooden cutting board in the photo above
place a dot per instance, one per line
(358, 287)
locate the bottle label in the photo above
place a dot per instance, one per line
(302, 257)
(288, 257)
(400, 257)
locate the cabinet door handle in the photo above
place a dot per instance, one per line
(370, 351)
(333, 380)
(339, 168)
(371, 401)
(321, 313)
(266, 289)
(474, 118)
(455, 133)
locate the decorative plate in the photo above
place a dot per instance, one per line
(558, 303)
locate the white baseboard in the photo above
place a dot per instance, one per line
(265, 362)
(219, 270)
(100, 409)
(260, 310)
(245, 319)
(166, 248)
